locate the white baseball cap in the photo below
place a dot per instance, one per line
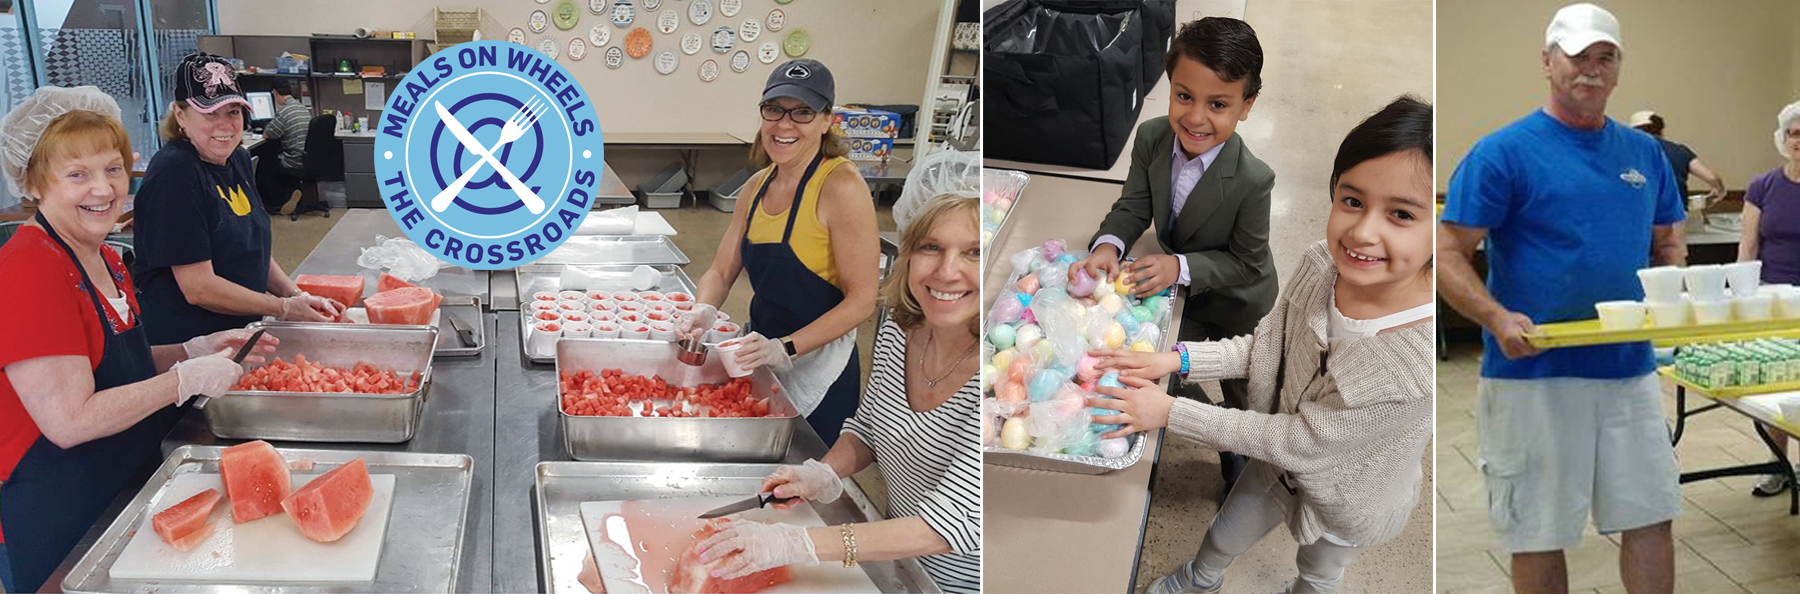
(1642, 118)
(1577, 26)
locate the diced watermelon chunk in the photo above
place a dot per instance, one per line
(692, 576)
(330, 506)
(256, 480)
(342, 288)
(406, 305)
(184, 524)
(387, 282)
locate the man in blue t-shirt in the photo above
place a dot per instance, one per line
(1571, 204)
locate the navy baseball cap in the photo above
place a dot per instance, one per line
(206, 82)
(803, 79)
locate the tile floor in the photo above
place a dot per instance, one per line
(1725, 539)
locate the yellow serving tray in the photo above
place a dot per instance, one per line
(1731, 392)
(1589, 332)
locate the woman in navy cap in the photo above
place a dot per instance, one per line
(204, 253)
(808, 242)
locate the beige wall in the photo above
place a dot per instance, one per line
(878, 50)
(1718, 78)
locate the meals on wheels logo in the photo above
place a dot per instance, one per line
(488, 155)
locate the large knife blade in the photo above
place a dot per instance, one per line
(463, 333)
(755, 502)
(200, 400)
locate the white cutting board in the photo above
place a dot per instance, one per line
(270, 549)
(824, 577)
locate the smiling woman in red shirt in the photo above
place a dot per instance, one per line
(84, 399)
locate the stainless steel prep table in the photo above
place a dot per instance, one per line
(338, 251)
(526, 430)
(458, 419)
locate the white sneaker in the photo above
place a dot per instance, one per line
(1184, 581)
(1771, 485)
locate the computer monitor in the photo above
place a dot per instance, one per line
(262, 105)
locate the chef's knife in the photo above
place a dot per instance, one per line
(463, 332)
(244, 351)
(756, 502)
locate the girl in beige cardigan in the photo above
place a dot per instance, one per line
(1340, 374)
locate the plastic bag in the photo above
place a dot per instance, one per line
(1055, 424)
(614, 221)
(1056, 314)
(401, 258)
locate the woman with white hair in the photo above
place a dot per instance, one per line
(916, 418)
(1772, 234)
(84, 399)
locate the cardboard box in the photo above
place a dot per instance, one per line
(871, 149)
(867, 123)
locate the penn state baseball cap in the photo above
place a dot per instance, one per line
(803, 79)
(1577, 26)
(206, 82)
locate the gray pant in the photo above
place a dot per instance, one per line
(1258, 504)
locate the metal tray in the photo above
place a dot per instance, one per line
(616, 249)
(532, 278)
(757, 439)
(333, 417)
(467, 309)
(1008, 183)
(421, 553)
(1078, 464)
(563, 486)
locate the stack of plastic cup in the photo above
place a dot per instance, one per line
(1743, 277)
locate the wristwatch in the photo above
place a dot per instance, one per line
(787, 342)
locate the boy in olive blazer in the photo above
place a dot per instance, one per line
(1207, 196)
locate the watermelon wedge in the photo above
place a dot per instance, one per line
(256, 480)
(345, 289)
(387, 282)
(330, 506)
(184, 524)
(406, 305)
(691, 576)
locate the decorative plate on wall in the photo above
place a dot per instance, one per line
(567, 15)
(549, 46)
(615, 57)
(709, 70)
(777, 19)
(577, 48)
(599, 6)
(723, 38)
(797, 43)
(749, 30)
(691, 43)
(740, 61)
(600, 35)
(623, 13)
(638, 43)
(516, 35)
(768, 52)
(652, 4)
(730, 8)
(667, 61)
(539, 19)
(700, 11)
(667, 22)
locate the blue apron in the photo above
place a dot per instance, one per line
(789, 296)
(55, 495)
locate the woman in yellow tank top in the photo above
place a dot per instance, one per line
(808, 241)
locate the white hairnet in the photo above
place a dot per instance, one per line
(1788, 115)
(25, 124)
(943, 172)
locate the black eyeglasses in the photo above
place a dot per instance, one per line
(800, 115)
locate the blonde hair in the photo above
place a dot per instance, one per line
(896, 296)
(833, 145)
(168, 128)
(72, 135)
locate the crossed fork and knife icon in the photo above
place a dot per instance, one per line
(515, 127)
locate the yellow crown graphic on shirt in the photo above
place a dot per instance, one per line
(240, 202)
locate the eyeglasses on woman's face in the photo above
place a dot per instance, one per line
(800, 115)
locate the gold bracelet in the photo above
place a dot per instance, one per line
(849, 533)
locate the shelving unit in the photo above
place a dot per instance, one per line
(950, 119)
(397, 56)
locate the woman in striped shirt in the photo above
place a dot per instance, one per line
(921, 428)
